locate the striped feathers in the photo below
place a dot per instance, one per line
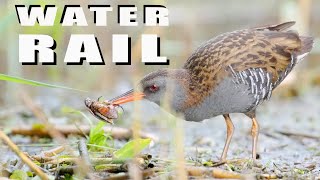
(269, 51)
(258, 81)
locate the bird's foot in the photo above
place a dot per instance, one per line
(251, 162)
(255, 161)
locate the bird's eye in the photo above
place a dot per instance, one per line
(153, 88)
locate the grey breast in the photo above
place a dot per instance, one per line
(227, 97)
(239, 93)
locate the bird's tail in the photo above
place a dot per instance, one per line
(306, 46)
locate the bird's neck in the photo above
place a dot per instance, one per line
(190, 89)
(177, 87)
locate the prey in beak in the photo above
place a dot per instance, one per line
(107, 110)
(104, 111)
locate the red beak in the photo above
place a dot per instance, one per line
(128, 97)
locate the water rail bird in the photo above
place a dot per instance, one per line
(232, 73)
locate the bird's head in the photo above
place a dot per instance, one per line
(158, 85)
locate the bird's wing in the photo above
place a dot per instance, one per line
(269, 48)
(276, 52)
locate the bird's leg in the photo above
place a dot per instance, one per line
(230, 129)
(255, 134)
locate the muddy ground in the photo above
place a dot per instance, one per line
(288, 143)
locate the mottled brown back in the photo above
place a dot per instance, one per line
(270, 48)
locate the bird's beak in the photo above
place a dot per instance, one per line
(127, 97)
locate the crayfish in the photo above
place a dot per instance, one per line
(105, 110)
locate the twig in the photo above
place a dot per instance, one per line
(268, 176)
(22, 156)
(192, 171)
(48, 155)
(146, 173)
(63, 160)
(58, 160)
(121, 165)
(219, 163)
(83, 151)
(212, 172)
(40, 158)
(97, 161)
(54, 151)
(145, 156)
(94, 161)
(115, 132)
(42, 145)
(286, 133)
(112, 168)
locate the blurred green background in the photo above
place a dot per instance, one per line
(191, 23)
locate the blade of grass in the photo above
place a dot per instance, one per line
(129, 149)
(98, 137)
(8, 78)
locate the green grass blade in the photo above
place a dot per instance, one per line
(98, 137)
(4, 77)
(129, 149)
